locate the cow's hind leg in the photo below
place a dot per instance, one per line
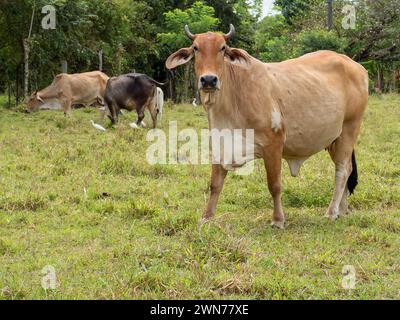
(342, 154)
(151, 106)
(140, 113)
(344, 203)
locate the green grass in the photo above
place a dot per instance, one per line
(115, 227)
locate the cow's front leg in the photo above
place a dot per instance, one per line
(217, 182)
(273, 165)
(67, 107)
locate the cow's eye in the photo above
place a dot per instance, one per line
(223, 48)
(195, 48)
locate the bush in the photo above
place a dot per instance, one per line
(276, 50)
(315, 40)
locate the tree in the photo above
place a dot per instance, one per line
(272, 39)
(291, 9)
(315, 40)
(200, 18)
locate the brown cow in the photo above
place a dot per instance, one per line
(68, 89)
(296, 108)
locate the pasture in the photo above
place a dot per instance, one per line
(114, 227)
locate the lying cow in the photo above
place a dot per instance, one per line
(133, 91)
(70, 89)
(296, 108)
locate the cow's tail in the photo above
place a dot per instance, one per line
(159, 102)
(156, 82)
(353, 179)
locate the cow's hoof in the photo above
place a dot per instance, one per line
(203, 221)
(278, 225)
(331, 216)
(344, 211)
(333, 213)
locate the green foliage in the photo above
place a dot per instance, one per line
(125, 30)
(199, 17)
(293, 8)
(310, 41)
(275, 42)
(272, 39)
(376, 35)
(139, 35)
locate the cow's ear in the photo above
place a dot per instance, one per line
(179, 58)
(237, 57)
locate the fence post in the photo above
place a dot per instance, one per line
(64, 66)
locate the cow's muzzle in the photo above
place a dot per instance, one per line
(209, 83)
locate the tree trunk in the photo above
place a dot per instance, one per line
(9, 94)
(172, 86)
(17, 84)
(118, 59)
(186, 79)
(27, 48)
(26, 67)
(378, 80)
(330, 15)
(393, 85)
(195, 85)
(101, 60)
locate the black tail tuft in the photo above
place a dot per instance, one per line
(353, 179)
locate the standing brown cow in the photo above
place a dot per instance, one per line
(296, 108)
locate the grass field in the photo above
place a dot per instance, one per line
(114, 227)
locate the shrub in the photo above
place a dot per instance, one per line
(315, 40)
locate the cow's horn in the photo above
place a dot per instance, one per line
(231, 32)
(188, 33)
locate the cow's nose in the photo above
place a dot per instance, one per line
(209, 81)
(27, 111)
